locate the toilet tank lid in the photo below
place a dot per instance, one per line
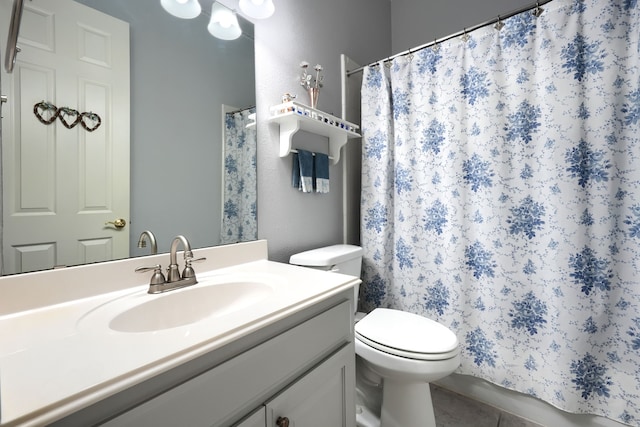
(326, 256)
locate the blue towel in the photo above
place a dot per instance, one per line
(295, 172)
(305, 170)
(322, 173)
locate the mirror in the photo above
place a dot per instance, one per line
(182, 81)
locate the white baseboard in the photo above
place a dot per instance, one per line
(519, 404)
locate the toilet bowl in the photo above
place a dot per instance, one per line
(397, 352)
(408, 352)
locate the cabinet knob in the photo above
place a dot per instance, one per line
(282, 422)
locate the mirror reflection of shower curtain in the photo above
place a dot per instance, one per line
(239, 214)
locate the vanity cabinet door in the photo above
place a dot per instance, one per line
(323, 397)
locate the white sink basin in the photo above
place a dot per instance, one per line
(142, 312)
(189, 305)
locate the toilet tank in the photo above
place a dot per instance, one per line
(345, 259)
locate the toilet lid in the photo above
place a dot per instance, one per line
(402, 333)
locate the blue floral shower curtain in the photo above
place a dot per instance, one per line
(501, 197)
(239, 213)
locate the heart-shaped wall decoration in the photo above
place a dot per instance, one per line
(90, 121)
(69, 117)
(46, 112)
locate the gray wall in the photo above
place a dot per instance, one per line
(416, 22)
(318, 32)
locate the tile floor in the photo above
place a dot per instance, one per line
(454, 410)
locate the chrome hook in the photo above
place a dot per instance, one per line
(465, 37)
(538, 10)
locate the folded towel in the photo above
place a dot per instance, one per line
(322, 173)
(295, 171)
(305, 161)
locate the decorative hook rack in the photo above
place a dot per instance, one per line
(47, 113)
(292, 117)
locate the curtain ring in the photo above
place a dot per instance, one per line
(465, 37)
(499, 25)
(410, 56)
(538, 10)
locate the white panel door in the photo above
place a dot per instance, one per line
(62, 185)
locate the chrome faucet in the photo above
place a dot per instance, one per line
(174, 279)
(142, 241)
(173, 274)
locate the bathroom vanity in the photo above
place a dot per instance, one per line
(254, 343)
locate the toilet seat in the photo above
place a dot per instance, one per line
(406, 335)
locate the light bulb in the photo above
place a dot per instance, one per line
(224, 23)
(185, 9)
(257, 9)
(226, 20)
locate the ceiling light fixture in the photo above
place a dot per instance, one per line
(224, 23)
(185, 9)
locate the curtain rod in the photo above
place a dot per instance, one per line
(239, 110)
(536, 6)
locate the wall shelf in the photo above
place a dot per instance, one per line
(292, 117)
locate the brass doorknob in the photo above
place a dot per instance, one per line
(282, 422)
(118, 223)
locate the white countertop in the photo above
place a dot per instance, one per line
(57, 359)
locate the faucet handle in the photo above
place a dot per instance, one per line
(189, 260)
(188, 271)
(157, 278)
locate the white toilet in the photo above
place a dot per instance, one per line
(399, 351)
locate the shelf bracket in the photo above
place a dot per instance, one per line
(287, 129)
(336, 142)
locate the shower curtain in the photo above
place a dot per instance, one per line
(239, 214)
(501, 197)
